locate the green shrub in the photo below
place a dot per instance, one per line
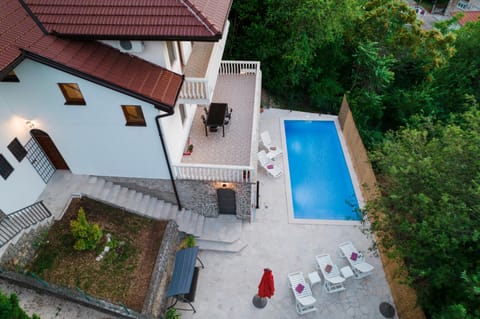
(10, 309)
(172, 313)
(188, 242)
(86, 236)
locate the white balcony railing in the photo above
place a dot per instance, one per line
(205, 172)
(195, 89)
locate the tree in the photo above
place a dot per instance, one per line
(10, 308)
(86, 236)
(430, 181)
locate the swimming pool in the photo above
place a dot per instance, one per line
(320, 182)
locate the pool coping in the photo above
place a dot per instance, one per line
(348, 160)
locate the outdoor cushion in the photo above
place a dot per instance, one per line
(354, 256)
(270, 166)
(328, 268)
(299, 288)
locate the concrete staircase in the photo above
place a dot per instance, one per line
(142, 204)
(222, 234)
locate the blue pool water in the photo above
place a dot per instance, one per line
(320, 182)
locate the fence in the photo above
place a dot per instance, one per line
(404, 296)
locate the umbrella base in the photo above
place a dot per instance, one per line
(259, 302)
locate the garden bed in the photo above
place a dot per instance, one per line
(123, 275)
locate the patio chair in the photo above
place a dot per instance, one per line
(273, 151)
(333, 279)
(204, 120)
(271, 168)
(304, 301)
(356, 260)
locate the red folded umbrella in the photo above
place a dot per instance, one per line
(266, 287)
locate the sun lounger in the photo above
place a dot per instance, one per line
(271, 168)
(333, 279)
(304, 301)
(356, 260)
(273, 150)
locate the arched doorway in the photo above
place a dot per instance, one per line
(49, 148)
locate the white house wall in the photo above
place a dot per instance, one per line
(93, 139)
(24, 184)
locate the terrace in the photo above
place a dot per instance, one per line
(233, 157)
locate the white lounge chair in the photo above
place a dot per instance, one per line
(356, 260)
(271, 168)
(273, 150)
(304, 301)
(333, 279)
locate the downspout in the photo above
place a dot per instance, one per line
(166, 157)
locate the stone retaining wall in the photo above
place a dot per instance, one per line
(404, 296)
(18, 254)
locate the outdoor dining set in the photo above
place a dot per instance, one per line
(217, 115)
(334, 278)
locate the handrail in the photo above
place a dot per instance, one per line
(209, 172)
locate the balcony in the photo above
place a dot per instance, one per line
(201, 71)
(231, 158)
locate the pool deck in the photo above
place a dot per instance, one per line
(229, 281)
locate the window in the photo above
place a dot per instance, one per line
(183, 113)
(133, 115)
(5, 168)
(72, 94)
(17, 149)
(171, 52)
(10, 77)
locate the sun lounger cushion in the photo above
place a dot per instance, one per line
(270, 166)
(328, 268)
(354, 256)
(299, 288)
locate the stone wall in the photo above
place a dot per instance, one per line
(18, 254)
(155, 302)
(404, 296)
(198, 196)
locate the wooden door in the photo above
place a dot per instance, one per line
(47, 145)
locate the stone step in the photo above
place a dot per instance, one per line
(107, 188)
(97, 189)
(233, 247)
(112, 196)
(224, 228)
(150, 210)
(143, 205)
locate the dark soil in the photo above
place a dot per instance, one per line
(123, 276)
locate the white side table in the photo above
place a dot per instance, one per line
(314, 278)
(346, 272)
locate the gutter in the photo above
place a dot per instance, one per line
(170, 172)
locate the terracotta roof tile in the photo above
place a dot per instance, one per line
(469, 16)
(89, 59)
(148, 19)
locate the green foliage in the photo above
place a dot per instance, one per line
(431, 203)
(172, 313)
(188, 242)
(87, 236)
(10, 309)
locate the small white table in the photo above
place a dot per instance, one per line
(346, 272)
(314, 278)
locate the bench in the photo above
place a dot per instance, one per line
(185, 275)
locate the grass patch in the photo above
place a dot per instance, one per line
(123, 275)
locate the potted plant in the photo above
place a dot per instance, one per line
(189, 150)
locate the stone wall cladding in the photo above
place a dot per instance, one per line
(201, 197)
(155, 302)
(159, 188)
(198, 196)
(19, 254)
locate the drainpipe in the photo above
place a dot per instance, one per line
(157, 118)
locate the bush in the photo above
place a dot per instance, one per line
(188, 242)
(172, 313)
(10, 309)
(86, 236)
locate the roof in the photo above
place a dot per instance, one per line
(132, 19)
(20, 37)
(469, 16)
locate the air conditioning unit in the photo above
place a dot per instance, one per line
(130, 46)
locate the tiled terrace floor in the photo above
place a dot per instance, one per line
(235, 148)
